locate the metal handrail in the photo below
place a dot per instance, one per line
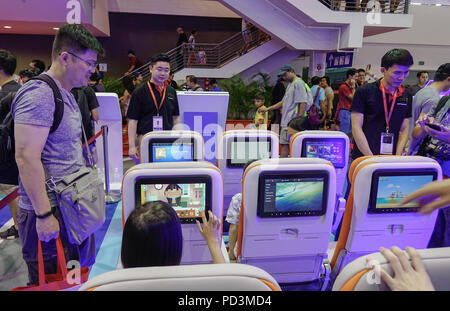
(386, 6)
(209, 55)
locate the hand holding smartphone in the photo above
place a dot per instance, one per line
(434, 127)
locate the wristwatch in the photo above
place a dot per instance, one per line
(52, 210)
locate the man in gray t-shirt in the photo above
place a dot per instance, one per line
(423, 101)
(62, 153)
(292, 105)
(74, 58)
(429, 96)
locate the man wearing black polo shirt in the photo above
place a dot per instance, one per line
(380, 125)
(153, 106)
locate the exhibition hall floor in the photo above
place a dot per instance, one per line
(13, 270)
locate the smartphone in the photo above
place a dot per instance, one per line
(368, 67)
(434, 127)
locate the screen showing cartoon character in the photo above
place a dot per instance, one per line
(393, 189)
(188, 200)
(244, 151)
(332, 150)
(167, 152)
(293, 194)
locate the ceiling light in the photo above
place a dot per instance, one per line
(55, 28)
(7, 27)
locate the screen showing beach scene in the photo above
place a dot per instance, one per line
(393, 189)
(293, 195)
(188, 200)
(167, 152)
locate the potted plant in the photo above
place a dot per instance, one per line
(240, 106)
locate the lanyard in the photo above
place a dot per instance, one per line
(154, 98)
(394, 99)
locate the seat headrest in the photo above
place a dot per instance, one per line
(174, 165)
(355, 276)
(386, 159)
(206, 277)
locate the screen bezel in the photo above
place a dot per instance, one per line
(154, 141)
(399, 172)
(317, 139)
(206, 179)
(245, 139)
(290, 174)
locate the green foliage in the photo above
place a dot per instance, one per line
(113, 85)
(240, 106)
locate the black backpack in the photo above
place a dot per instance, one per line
(7, 147)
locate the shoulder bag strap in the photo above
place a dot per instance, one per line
(59, 103)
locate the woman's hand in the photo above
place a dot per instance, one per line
(210, 231)
(407, 276)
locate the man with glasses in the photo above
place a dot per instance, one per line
(360, 77)
(59, 153)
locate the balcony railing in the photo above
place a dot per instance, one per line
(207, 55)
(386, 6)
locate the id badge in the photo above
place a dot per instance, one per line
(387, 143)
(157, 123)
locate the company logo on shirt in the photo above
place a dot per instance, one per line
(402, 101)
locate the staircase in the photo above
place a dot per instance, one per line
(283, 29)
(320, 25)
(218, 57)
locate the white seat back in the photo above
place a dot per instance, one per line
(380, 182)
(195, 249)
(291, 247)
(235, 148)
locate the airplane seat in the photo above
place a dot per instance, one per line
(333, 146)
(286, 218)
(373, 218)
(171, 146)
(356, 276)
(204, 277)
(235, 149)
(190, 187)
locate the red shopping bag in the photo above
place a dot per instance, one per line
(54, 282)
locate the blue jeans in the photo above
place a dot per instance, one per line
(345, 121)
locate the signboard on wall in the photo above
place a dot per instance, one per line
(339, 60)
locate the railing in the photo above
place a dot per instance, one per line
(386, 6)
(207, 55)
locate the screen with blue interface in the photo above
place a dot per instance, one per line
(168, 152)
(292, 195)
(330, 149)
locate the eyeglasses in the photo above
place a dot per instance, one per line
(90, 63)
